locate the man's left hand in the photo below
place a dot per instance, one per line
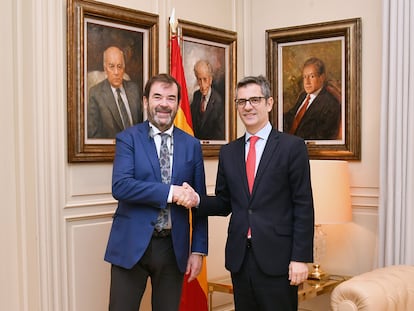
(194, 265)
(298, 272)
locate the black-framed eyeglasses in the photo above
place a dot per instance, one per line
(254, 101)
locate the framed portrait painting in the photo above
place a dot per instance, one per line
(314, 71)
(109, 48)
(209, 61)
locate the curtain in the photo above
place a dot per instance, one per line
(396, 206)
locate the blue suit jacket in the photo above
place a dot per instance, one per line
(136, 184)
(279, 211)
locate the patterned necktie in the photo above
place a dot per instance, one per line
(165, 159)
(251, 162)
(165, 166)
(299, 115)
(126, 122)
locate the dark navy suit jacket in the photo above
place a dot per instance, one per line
(136, 184)
(279, 211)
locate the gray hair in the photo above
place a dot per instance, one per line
(259, 80)
(203, 63)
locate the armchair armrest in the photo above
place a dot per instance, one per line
(389, 289)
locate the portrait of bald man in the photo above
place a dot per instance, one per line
(114, 104)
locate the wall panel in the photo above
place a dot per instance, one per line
(88, 273)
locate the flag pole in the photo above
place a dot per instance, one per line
(173, 22)
(194, 294)
(173, 30)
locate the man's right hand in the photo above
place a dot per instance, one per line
(185, 195)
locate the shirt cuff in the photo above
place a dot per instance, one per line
(198, 200)
(197, 253)
(170, 195)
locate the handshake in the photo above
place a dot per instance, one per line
(185, 195)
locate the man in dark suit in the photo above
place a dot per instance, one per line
(150, 235)
(270, 234)
(207, 107)
(114, 104)
(321, 111)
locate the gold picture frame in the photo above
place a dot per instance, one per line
(338, 43)
(218, 47)
(92, 27)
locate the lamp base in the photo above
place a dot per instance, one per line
(317, 273)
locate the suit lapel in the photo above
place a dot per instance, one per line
(205, 115)
(210, 107)
(268, 153)
(239, 155)
(112, 104)
(315, 108)
(149, 145)
(132, 101)
(178, 154)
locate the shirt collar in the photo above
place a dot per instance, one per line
(115, 88)
(155, 131)
(262, 134)
(314, 94)
(208, 95)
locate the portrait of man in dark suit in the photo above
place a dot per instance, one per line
(317, 112)
(207, 107)
(115, 103)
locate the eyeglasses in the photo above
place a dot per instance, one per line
(254, 101)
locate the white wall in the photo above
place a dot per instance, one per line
(56, 215)
(8, 222)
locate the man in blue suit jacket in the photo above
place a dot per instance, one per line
(270, 234)
(135, 248)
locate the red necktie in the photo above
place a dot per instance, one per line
(250, 169)
(251, 162)
(299, 115)
(203, 103)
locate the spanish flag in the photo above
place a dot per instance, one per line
(183, 118)
(194, 294)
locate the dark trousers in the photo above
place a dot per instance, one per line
(255, 290)
(158, 263)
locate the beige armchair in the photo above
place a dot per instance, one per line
(383, 289)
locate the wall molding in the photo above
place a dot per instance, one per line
(365, 197)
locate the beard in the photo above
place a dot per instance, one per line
(162, 122)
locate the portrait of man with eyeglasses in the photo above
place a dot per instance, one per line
(317, 112)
